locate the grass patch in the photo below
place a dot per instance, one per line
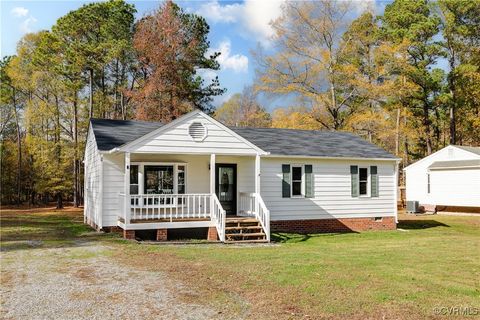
(433, 262)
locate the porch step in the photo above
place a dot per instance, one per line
(241, 220)
(244, 230)
(247, 234)
(246, 241)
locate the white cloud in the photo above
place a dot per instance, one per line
(253, 16)
(237, 62)
(26, 25)
(361, 6)
(215, 12)
(207, 75)
(19, 12)
(259, 15)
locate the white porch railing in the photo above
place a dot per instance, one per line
(263, 215)
(218, 216)
(252, 204)
(246, 202)
(167, 207)
(178, 207)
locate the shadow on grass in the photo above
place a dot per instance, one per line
(23, 231)
(282, 237)
(420, 224)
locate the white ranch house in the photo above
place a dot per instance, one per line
(447, 180)
(239, 184)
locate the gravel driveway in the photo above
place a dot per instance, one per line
(82, 282)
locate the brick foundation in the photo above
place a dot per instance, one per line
(129, 234)
(212, 234)
(333, 225)
(162, 234)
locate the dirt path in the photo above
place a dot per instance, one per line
(83, 282)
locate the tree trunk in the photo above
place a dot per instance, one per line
(122, 105)
(75, 146)
(59, 200)
(397, 133)
(19, 148)
(405, 142)
(451, 85)
(426, 126)
(90, 83)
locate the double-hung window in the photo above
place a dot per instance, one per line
(363, 181)
(297, 181)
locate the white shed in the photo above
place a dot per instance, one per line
(447, 179)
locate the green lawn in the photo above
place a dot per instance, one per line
(433, 261)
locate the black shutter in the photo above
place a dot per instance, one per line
(354, 180)
(286, 181)
(374, 181)
(308, 181)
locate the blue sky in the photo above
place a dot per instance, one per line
(236, 29)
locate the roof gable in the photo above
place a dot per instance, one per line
(177, 137)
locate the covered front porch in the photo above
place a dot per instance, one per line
(180, 191)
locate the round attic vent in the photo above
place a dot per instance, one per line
(197, 131)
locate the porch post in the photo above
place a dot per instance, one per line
(127, 188)
(212, 180)
(257, 174)
(257, 182)
(212, 173)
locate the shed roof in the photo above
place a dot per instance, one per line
(475, 150)
(455, 164)
(110, 134)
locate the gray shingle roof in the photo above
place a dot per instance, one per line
(110, 134)
(292, 142)
(474, 163)
(475, 150)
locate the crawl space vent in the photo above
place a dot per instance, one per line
(197, 131)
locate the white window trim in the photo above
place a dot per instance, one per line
(141, 174)
(368, 194)
(302, 190)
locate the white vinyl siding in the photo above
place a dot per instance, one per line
(93, 171)
(455, 187)
(332, 191)
(178, 140)
(416, 177)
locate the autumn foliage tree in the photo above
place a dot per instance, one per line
(243, 110)
(171, 46)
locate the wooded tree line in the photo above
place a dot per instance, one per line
(96, 61)
(408, 80)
